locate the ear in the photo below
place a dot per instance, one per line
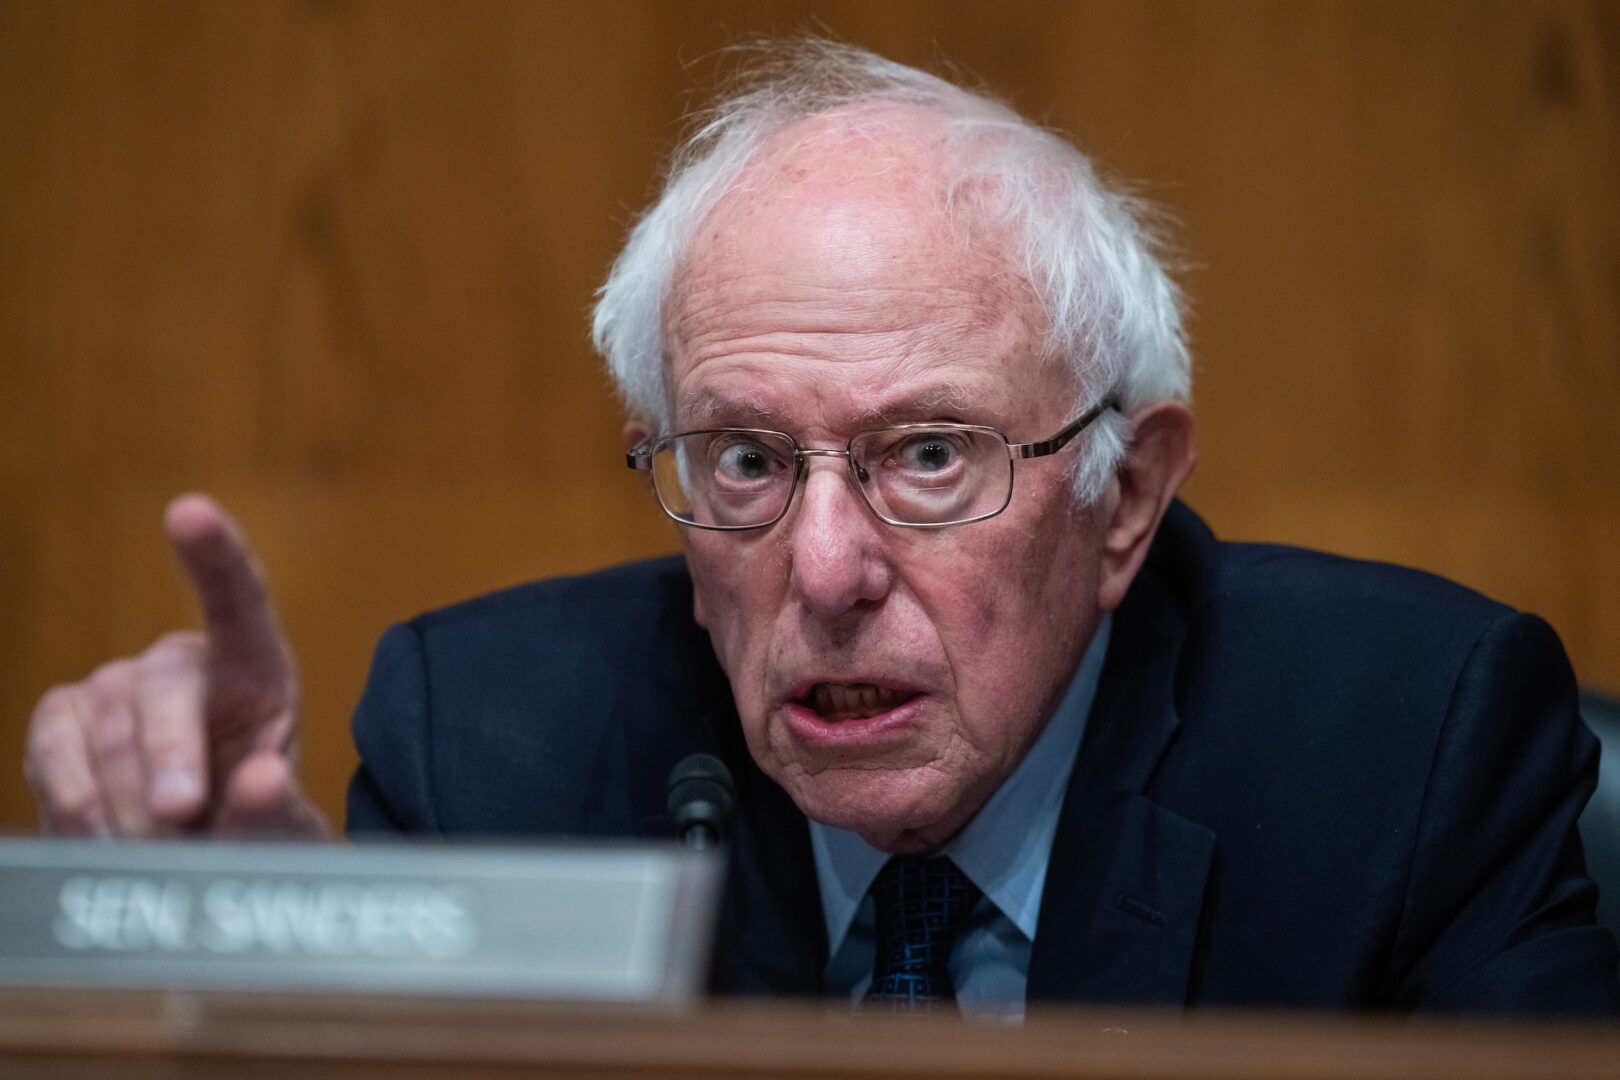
(635, 429)
(1160, 455)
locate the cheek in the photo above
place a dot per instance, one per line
(734, 593)
(1013, 635)
(996, 587)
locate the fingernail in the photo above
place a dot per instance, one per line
(175, 787)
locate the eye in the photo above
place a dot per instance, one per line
(932, 452)
(745, 461)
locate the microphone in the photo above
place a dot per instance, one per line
(701, 800)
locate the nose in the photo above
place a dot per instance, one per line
(835, 541)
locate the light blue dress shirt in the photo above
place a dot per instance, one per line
(1003, 850)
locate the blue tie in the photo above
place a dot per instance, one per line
(922, 905)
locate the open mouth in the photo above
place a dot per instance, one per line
(852, 701)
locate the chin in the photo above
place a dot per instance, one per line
(891, 809)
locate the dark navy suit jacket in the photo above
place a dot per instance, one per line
(1306, 781)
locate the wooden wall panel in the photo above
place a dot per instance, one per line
(332, 262)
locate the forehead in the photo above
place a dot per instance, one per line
(841, 245)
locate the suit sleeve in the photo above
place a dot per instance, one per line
(1499, 910)
(392, 790)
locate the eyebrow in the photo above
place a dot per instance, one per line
(715, 410)
(937, 402)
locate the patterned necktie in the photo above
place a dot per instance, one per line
(922, 905)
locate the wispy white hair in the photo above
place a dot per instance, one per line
(1113, 314)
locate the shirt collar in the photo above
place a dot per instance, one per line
(1004, 849)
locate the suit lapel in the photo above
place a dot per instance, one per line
(1119, 916)
(1126, 880)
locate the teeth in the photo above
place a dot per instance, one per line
(843, 701)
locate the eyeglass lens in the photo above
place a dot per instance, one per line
(910, 476)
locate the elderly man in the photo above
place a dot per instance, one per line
(914, 385)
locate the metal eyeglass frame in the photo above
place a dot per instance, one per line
(640, 458)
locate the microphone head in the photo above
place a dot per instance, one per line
(701, 799)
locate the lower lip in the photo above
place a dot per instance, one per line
(810, 728)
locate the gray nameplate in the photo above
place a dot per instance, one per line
(629, 922)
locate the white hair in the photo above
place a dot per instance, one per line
(1113, 314)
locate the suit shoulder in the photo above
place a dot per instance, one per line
(611, 634)
(1336, 583)
(651, 588)
(1191, 575)
(1363, 633)
(1392, 766)
(554, 707)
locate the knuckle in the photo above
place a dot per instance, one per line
(51, 733)
(177, 651)
(170, 678)
(66, 799)
(110, 732)
(111, 680)
(54, 705)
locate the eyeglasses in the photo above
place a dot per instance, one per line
(923, 476)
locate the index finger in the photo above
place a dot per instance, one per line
(242, 631)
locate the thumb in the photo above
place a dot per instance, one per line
(262, 800)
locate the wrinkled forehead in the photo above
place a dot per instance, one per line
(850, 223)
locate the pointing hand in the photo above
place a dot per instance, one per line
(195, 735)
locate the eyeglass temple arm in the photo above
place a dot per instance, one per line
(641, 455)
(1062, 438)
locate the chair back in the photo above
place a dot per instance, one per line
(1600, 822)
